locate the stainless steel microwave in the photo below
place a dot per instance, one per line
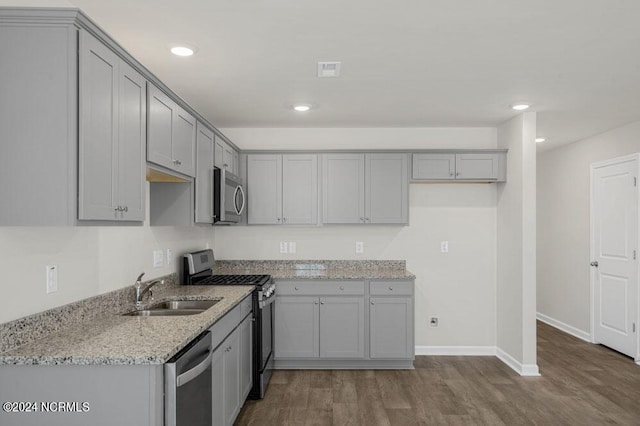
(228, 197)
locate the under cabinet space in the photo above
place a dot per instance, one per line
(171, 203)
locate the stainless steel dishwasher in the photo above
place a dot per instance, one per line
(187, 385)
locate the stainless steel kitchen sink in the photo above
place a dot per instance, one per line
(174, 308)
(185, 304)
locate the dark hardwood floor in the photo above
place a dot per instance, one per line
(581, 384)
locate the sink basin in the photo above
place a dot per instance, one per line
(185, 304)
(174, 308)
(163, 312)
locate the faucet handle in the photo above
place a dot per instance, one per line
(139, 277)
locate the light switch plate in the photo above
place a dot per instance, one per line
(444, 246)
(359, 247)
(283, 247)
(169, 256)
(158, 258)
(292, 246)
(52, 278)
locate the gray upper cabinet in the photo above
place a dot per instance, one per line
(112, 135)
(365, 188)
(470, 166)
(204, 175)
(172, 133)
(282, 189)
(226, 157)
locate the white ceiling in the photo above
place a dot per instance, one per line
(405, 63)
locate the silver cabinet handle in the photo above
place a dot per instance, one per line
(117, 208)
(295, 288)
(594, 263)
(450, 173)
(278, 219)
(362, 219)
(322, 302)
(178, 162)
(316, 302)
(126, 208)
(284, 219)
(390, 288)
(341, 287)
(225, 165)
(373, 303)
(457, 173)
(367, 219)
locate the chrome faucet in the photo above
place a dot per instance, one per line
(142, 290)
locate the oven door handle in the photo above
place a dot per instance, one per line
(189, 375)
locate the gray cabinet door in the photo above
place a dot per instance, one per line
(183, 141)
(483, 166)
(391, 327)
(132, 140)
(204, 175)
(296, 327)
(434, 166)
(343, 188)
(111, 182)
(299, 189)
(218, 158)
(160, 111)
(98, 156)
(342, 327)
(246, 370)
(217, 378)
(228, 158)
(232, 403)
(264, 189)
(386, 188)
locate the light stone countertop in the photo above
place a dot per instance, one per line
(112, 339)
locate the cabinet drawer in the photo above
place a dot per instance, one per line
(320, 288)
(225, 325)
(391, 288)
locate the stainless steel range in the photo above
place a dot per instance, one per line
(198, 270)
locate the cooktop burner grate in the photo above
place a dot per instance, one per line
(234, 280)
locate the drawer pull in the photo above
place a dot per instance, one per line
(373, 303)
(295, 288)
(390, 288)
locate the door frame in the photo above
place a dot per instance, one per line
(592, 270)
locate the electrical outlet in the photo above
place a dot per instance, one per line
(169, 256)
(52, 278)
(444, 246)
(433, 322)
(292, 246)
(283, 247)
(158, 259)
(359, 247)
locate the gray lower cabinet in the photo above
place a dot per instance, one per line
(282, 189)
(204, 174)
(365, 188)
(112, 135)
(231, 363)
(468, 166)
(171, 133)
(326, 324)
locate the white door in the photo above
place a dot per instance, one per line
(614, 242)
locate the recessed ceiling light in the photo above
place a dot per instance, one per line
(182, 50)
(538, 140)
(302, 107)
(520, 106)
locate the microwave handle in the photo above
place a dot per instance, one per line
(235, 197)
(213, 192)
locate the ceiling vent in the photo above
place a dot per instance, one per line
(329, 69)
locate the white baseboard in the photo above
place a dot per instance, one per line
(521, 369)
(456, 350)
(576, 332)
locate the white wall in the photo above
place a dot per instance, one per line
(91, 261)
(459, 287)
(516, 228)
(563, 224)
